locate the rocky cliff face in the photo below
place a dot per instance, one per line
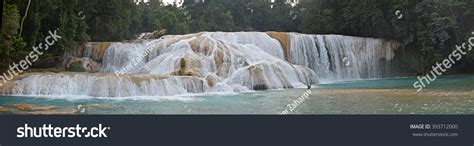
(215, 62)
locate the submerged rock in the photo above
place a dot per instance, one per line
(2, 109)
(24, 107)
(64, 111)
(31, 107)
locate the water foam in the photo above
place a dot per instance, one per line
(218, 62)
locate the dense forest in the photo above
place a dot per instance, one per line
(429, 28)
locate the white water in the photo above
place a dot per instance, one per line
(106, 85)
(217, 62)
(338, 58)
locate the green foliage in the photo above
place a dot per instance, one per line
(429, 28)
(243, 15)
(173, 20)
(110, 20)
(158, 17)
(72, 27)
(214, 17)
(322, 17)
(10, 40)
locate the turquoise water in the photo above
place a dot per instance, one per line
(449, 83)
(447, 95)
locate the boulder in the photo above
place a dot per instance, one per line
(82, 65)
(153, 35)
(189, 67)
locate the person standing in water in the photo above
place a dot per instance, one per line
(308, 83)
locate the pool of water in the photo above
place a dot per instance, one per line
(445, 83)
(447, 95)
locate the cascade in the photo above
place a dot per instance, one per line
(216, 62)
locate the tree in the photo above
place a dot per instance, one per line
(10, 40)
(72, 26)
(173, 20)
(111, 20)
(322, 17)
(213, 17)
(428, 29)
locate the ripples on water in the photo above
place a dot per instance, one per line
(447, 95)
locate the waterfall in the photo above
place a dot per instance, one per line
(336, 58)
(106, 85)
(215, 62)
